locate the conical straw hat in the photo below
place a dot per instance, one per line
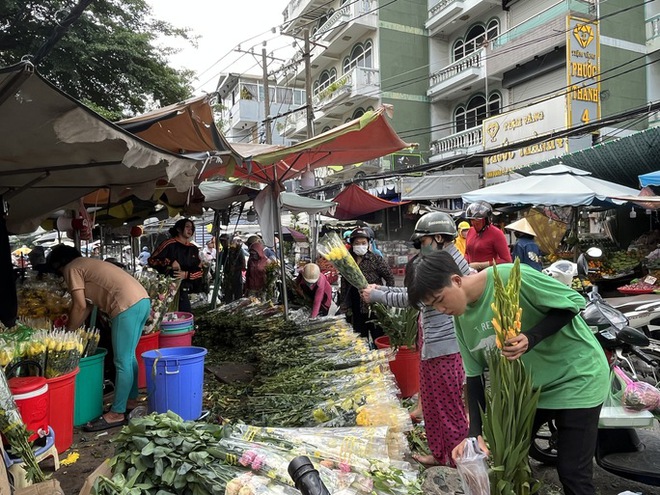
(521, 226)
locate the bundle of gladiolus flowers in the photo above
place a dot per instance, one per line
(332, 248)
(510, 401)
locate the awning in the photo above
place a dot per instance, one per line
(55, 150)
(620, 161)
(433, 187)
(354, 202)
(359, 140)
(650, 179)
(558, 185)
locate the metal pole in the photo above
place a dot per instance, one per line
(307, 56)
(218, 265)
(280, 247)
(264, 63)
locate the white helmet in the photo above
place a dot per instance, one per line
(562, 270)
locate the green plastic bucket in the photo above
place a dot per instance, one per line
(88, 403)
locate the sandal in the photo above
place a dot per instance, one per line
(415, 419)
(100, 424)
(425, 461)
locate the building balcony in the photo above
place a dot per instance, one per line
(446, 83)
(357, 85)
(293, 126)
(245, 113)
(352, 20)
(443, 14)
(462, 143)
(653, 34)
(301, 12)
(540, 34)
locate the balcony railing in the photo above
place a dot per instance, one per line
(473, 60)
(459, 142)
(359, 81)
(346, 14)
(441, 5)
(653, 28)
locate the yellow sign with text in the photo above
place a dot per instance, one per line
(582, 71)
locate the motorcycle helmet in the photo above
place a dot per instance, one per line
(562, 270)
(479, 209)
(434, 223)
(359, 232)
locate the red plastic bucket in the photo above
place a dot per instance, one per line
(61, 398)
(176, 339)
(31, 396)
(146, 343)
(405, 367)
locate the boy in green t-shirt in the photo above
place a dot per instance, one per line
(559, 350)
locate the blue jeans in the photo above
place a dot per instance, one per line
(126, 331)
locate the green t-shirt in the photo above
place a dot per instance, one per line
(569, 366)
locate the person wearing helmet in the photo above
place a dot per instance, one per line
(441, 374)
(485, 243)
(373, 247)
(376, 271)
(315, 287)
(525, 248)
(560, 352)
(461, 242)
(143, 257)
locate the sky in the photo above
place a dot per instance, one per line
(222, 25)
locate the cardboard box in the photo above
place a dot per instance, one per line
(50, 487)
(102, 470)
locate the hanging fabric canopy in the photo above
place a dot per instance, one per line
(558, 185)
(264, 205)
(354, 202)
(359, 140)
(55, 150)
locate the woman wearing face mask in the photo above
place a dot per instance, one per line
(441, 374)
(376, 271)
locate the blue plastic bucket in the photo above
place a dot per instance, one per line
(175, 380)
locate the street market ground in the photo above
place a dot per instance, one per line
(94, 448)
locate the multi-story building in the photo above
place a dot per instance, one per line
(243, 111)
(519, 58)
(364, 53)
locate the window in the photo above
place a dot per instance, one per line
(361, 56)
(475, 38)
(357, 114)
(492, 29)
(459, 119)
(474, 113)
(284, 95)
(322, 20)
(494, 104)
(326, 78)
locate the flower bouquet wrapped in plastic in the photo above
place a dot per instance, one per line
(333, 249)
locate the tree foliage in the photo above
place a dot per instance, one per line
(109, 58)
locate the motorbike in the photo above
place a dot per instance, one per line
(628, 452)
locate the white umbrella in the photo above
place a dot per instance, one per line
(558, 185)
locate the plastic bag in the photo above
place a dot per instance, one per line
(473, 470)
(635, 396)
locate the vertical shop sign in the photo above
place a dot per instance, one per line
(582, 70)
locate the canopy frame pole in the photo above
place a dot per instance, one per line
(218, 265)
(280, 248)
(576, 226)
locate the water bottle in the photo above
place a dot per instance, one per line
(305, 477)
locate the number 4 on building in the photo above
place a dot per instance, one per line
(585, 116)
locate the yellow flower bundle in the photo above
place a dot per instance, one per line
(505, 306)
(511, 400)
(333, 249)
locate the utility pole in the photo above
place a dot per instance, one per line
(264, 64)
(307, 56)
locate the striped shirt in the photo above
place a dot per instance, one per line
(437, 328)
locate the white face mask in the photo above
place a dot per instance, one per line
(360, 250)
